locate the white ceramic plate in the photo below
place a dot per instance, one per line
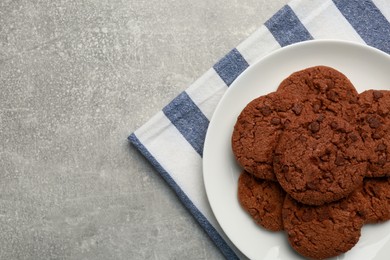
(366, 67)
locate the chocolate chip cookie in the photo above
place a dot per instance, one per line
(323, 231)
(375, 206)
(262, 199)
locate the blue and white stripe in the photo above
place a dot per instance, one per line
(173, 139)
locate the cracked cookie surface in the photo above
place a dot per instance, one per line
(256, 133)
(325, 231)
(374, 126)
(376, 200)
(320, 163)
(263, 200)
(334, 228)
(328, 89)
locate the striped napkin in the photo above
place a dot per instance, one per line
(173, 139)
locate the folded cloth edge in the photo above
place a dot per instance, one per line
(200, 218)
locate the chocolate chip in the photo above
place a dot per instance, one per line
(290, 233)
(314, 127)
(316, 107)
(339, 160)
(302, 138)
(328, 177)
(265, 111)
(376, 136)
(320, 118)
(373, 122)
(332, 95)
(343, 140)
(275, 121)
(334, 125)
(330, 83)
(314, 160)
(325, 157)
(269, 207)
(286, 123)
(381, 148)
(310, 84)
(353, 137)
(320, 85)
(382, 160)
(297, 243)
(361, 213)
(295, 221)
(285, 169)
(342, 129)
(297, 108)
(253, 212)
(377, 95)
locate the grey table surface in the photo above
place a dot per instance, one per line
(76, 78)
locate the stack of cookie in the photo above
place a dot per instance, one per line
(316, 160)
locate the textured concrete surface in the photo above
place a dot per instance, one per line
(76, 78)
